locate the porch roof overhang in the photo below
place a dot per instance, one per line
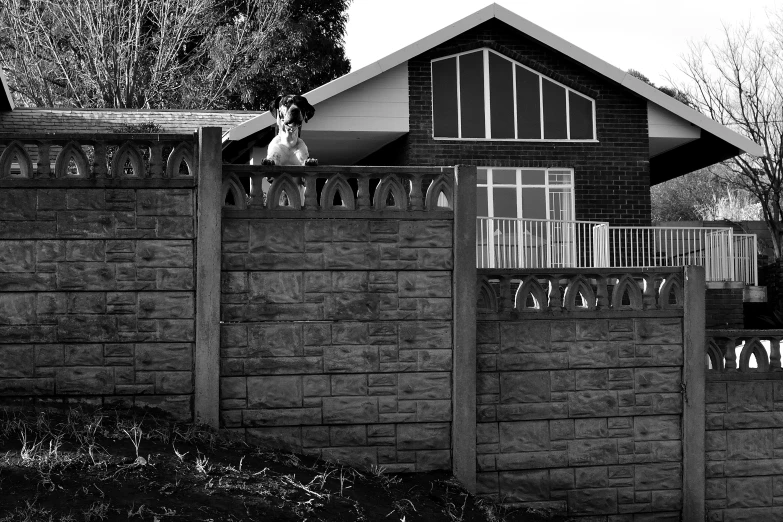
(671, 154)
(6, 101)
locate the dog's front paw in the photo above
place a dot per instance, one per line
(267, 161)
(311, 162)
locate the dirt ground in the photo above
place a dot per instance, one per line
(77, 465)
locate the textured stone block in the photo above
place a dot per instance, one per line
(354, 306)
(749, 396)
(592, 404)
(524, 387)
(423, 385)
(86, 276)
(47, 355)
(749, 444)
(17, 308)
(524, 436)
(524, 337)
(166, 305)
(348, 435)
(601, 501)
(424, 284)
(658, 331)
(351, 359)
(22, 387)
(18, 361)
(85, 250)
(164, 356)
(749, 492)
(84, 381)
(281, 417)
(84, 354)
(87, 303)
(590, 428)
(349, 384)
(233, 387)
(278, 236)
(274, 392)
(423, 436)
(592, 452)
(649, 380)
(164, 254)
(533, 361)
(274, 340)
(174, 382)
(594, 477)
(350, 256)
(660, 427)
(17, 256)
(532, 460)
(89, 328)
(350, 333)
(164, 202)
(283, 365)
(593, 354)
(276, 287)
(425, 335)
(524, 486)
(426, 233)
(658, 476)
(17, 205)
(350, 410)
(84, 224)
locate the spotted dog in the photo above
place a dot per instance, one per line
(287, 148)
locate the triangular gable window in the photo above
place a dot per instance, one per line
(482, 95)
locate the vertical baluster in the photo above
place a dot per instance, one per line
(602, 293)
(730, 353)
(256, 191)
(555, 297)
(506, 299)
(99, 165)
(417, 202)
(156, 160)
(363, 193)
(774, 353)
(311, 194)
(648, 296)
(44, 160)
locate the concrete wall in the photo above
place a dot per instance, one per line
(97, 290)
(337, 335)
(744, 437)
(582, 415)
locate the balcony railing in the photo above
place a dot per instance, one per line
(539, 243)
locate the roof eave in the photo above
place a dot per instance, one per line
(532, 30)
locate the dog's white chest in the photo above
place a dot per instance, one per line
(284, 154)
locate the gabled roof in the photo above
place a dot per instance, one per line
(6, 102)
(553, 41)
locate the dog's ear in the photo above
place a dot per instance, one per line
(309, 111)
(274, 106)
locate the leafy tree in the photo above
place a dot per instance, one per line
(677, 94)
(739, 83)
(189, 54)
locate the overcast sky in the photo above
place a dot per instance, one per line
(647, 35)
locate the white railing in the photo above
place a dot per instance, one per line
(746, 266)
(541, 243)
(643, 247)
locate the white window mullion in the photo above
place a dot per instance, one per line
(514, 91)
(459, 104)
(490, 196)
(519, 192)
(541, 103)
(568, 115)
(487, 101)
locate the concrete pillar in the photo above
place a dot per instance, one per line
(464, 341)
(209, 205)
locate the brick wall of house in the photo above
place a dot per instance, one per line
(725, 308)
(611, 176)
(97, 291)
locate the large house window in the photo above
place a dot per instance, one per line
(482, 95)
(525, 193)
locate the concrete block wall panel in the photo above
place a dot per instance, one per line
(97, 291)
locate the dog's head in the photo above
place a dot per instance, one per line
(291, 110)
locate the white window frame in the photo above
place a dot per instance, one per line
(490, 184)
(488, 115)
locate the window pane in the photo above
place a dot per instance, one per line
(528, 105)
(534, 203)
(481, 175)
(482, 203)
(559, 177)
(580, 111)
(444, 98)
(501, 96)
(560, 204)
(505, 202)
(554, 111)
(533, 177)
(471, 85)
(505, 177)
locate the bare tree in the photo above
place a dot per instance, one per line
(739, 83)
(207, 54)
